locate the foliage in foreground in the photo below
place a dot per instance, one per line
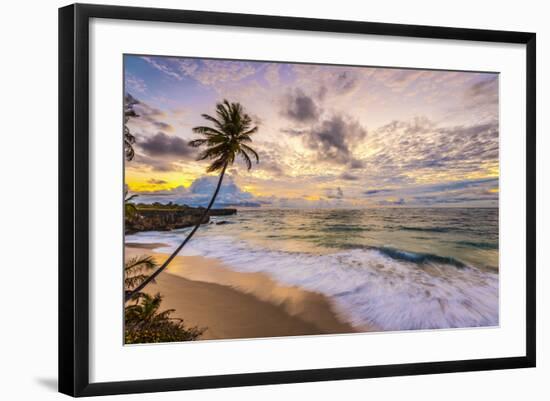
(129, 138)
(130, 210)
(143, 322)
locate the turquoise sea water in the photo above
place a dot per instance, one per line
(392, 268)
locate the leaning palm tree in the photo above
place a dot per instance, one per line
(224, 141)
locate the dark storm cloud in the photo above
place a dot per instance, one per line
(166, 145)
(299, 107)
(333, 140)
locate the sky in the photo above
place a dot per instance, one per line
(328, 136)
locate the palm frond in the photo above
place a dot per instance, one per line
(135, 268)
(249, 149)
(213, 120)
(246, 159)
(131, 197)
(216, 165)
(129, 139)
(250, 131)
(203, 130)
(220, 150)
(225, 140)
(195, 143)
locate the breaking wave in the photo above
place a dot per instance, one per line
(385, 288)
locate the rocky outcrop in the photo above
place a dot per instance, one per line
(165, 220)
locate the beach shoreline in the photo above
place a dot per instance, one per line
(231, 305)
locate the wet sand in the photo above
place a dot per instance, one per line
(231, 305)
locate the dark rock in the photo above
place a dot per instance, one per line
(153, 219)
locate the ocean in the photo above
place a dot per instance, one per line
(389, 268)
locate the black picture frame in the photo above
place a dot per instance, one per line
(74, 200)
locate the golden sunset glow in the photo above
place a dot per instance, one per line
(328, 136)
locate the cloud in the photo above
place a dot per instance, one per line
(484, 91)
(456, 185)
(155, 149)
(270, 160)
(392, 202)
(377, 191)
(333, 140)
(349, 177)
(154, 181)
(455, 192)
(299, 107)
(165, 145)
(346, 81)
(356, 164)
(316, 135)
(163, 126)
(330, 81)
(162, 165)
(272, 74)
(398, 80)
(134, 83)
(420, 147)
(206, 71)
(148, 117)
(295, 131)
(200, 192)
(210, 72)
(161, 66)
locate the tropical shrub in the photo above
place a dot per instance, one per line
(143, 320)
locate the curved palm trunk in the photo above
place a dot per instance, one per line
(130, 294)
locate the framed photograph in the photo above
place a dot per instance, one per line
(250, 199)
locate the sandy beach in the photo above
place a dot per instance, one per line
(229, 304)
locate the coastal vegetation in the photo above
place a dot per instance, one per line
(143, 320)
(130, 209)
(129, 138)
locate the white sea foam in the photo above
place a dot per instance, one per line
(367, 286)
